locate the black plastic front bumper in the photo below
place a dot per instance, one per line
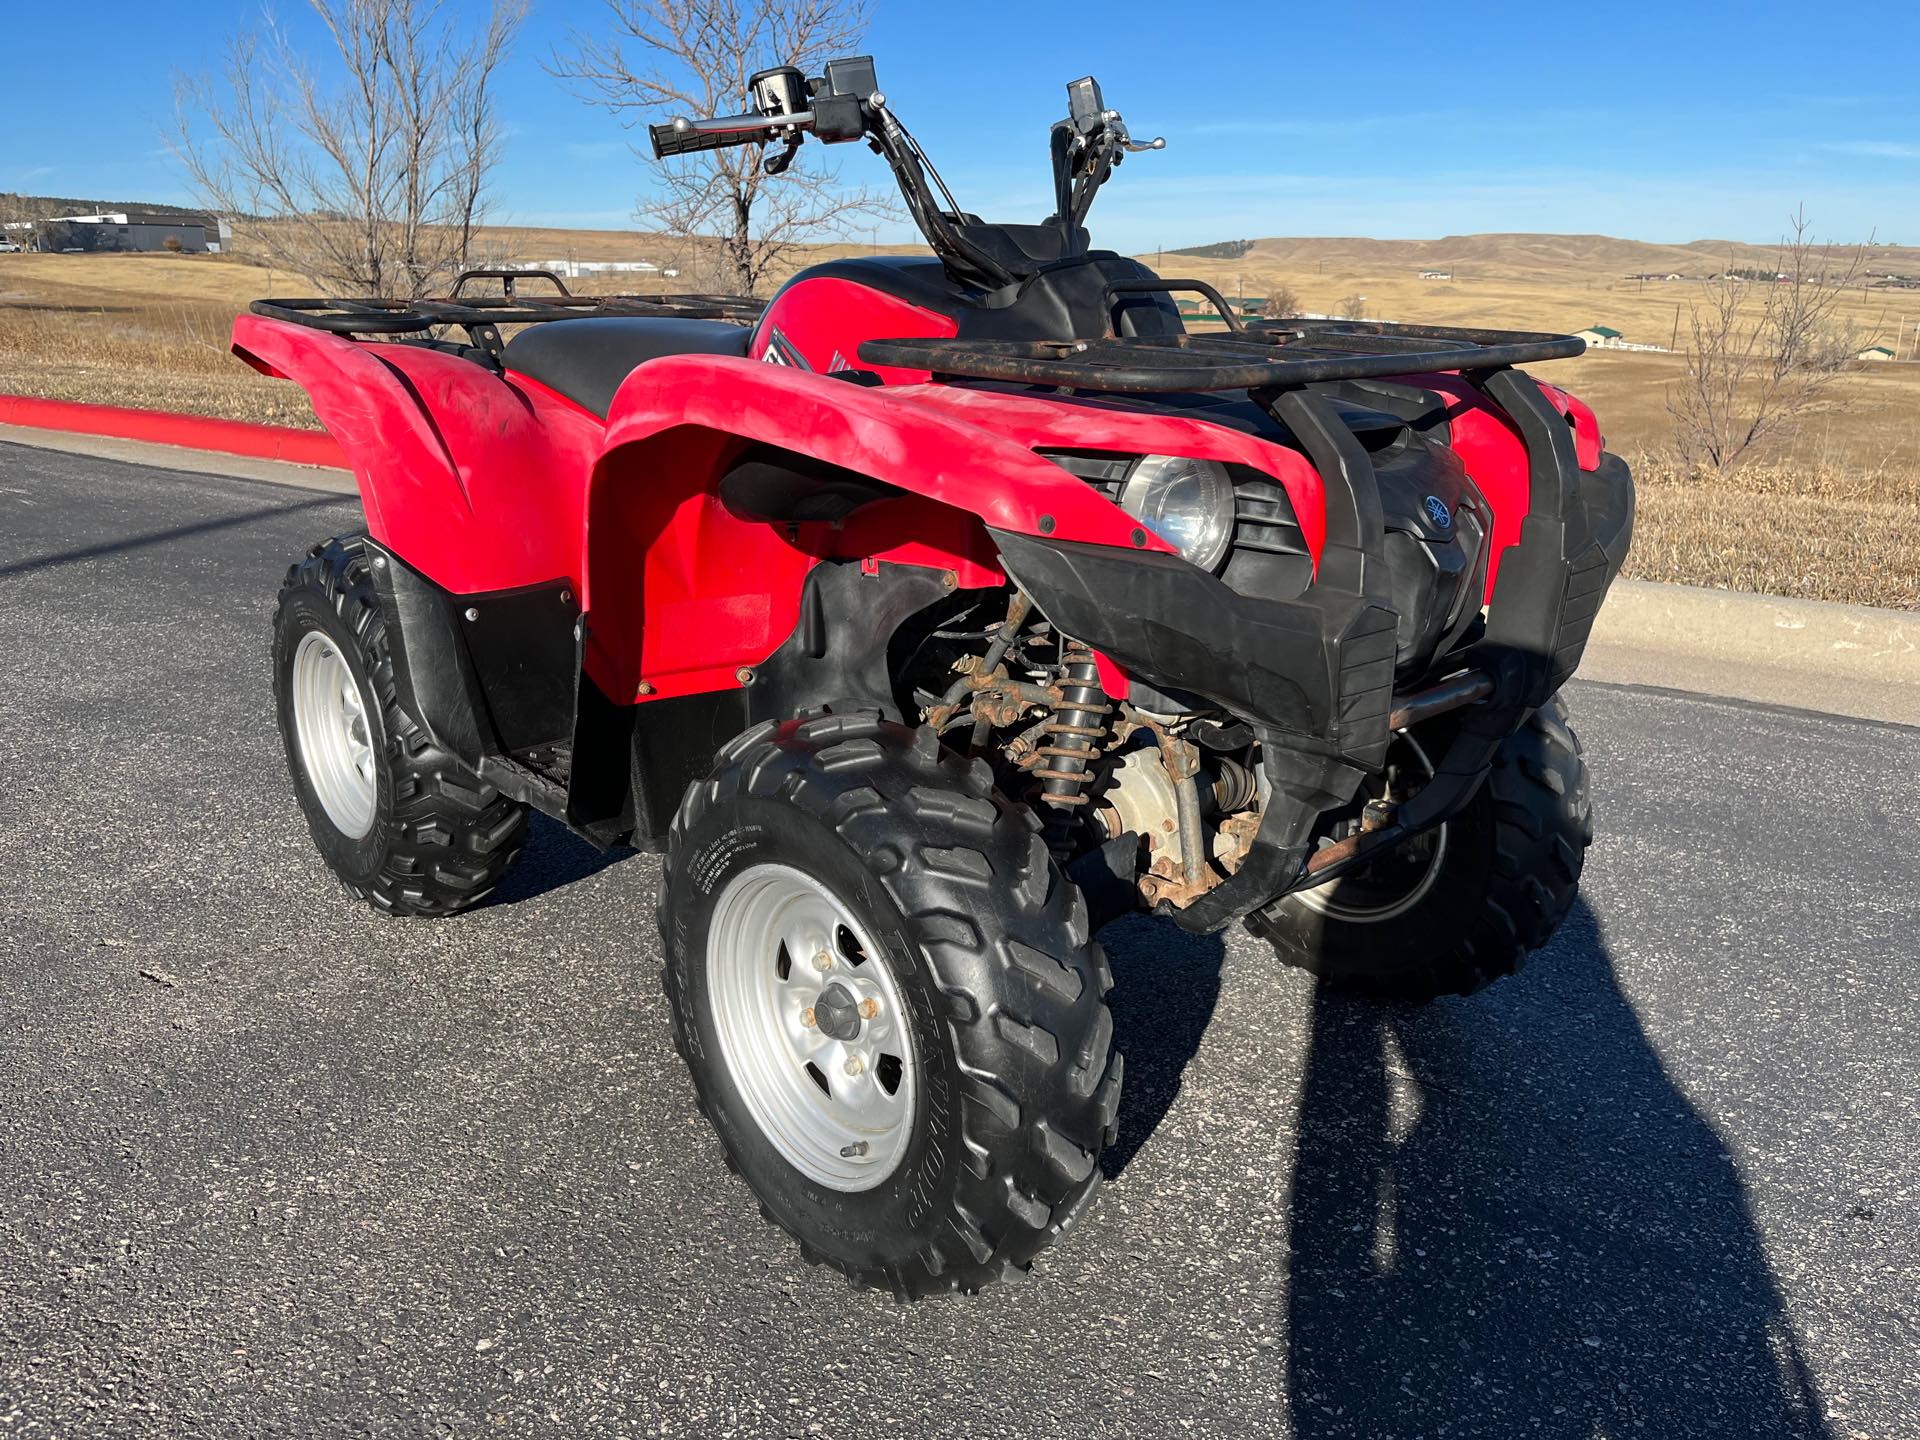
(1314, 675)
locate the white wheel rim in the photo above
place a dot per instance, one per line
(832, 1091)
(336, 738)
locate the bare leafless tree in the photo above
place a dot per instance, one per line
(368, 174)
(16, 216)
(666, 58)
(1354, 307)
(1280, 304)
(1765, 350)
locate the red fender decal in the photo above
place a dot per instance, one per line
(833, 316)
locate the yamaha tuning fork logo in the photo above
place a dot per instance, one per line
(781, 351)
(1438, 513)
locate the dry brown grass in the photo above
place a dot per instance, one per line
(1872, 431)
(150, 331)
(1834, 514)
(1528, 282)
(1819, 534)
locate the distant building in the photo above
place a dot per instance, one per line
(1250, 306)
(1436, 274)
(133, 231)
(1875, 352)
(575, 269)
(1600, 336)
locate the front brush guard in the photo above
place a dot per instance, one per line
(1314, 675)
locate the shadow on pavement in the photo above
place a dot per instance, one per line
(1507, 1220)
(193, 530)
(1165, 985)
(555, 858)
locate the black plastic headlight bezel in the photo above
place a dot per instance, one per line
(1127, 480)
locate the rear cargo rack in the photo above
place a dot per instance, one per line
(480, 315)
(1267, 355)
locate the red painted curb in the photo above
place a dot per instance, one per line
(160, 427)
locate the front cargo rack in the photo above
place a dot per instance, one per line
(481, 315)
(1268, 355)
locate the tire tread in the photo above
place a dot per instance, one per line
(451, 836)
(1003, 939)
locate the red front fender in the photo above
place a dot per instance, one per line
(885, 434)
(686, 596)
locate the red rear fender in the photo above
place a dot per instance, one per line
(383, 431)
(478, 482)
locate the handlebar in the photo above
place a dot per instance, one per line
(684, 137)
(845, 103)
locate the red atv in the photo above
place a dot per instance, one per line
(927, 620)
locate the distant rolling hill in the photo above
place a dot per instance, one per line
(1514, 256)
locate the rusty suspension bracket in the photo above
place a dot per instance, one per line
(976, 674)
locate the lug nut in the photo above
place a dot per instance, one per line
(869, 1008)
(822, 961)
(855, 1065)
(806, 1019)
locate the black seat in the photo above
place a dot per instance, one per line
(585, 360)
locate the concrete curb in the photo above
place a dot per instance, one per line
(1812, 654)
(180, 458)
(1855, 641)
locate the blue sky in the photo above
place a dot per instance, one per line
(1678, 122)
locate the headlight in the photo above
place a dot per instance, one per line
(1187, 503)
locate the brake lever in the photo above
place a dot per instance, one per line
(1117, 128)
(777, 164)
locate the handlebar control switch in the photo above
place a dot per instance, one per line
(837, 118)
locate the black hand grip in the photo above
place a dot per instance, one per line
(671, 139)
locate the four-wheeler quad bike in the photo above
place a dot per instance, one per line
(928, 619)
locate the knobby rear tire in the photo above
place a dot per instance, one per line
(441, 837)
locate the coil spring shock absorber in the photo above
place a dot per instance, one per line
(1073, 733)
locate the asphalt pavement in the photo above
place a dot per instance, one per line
(272, 1165)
